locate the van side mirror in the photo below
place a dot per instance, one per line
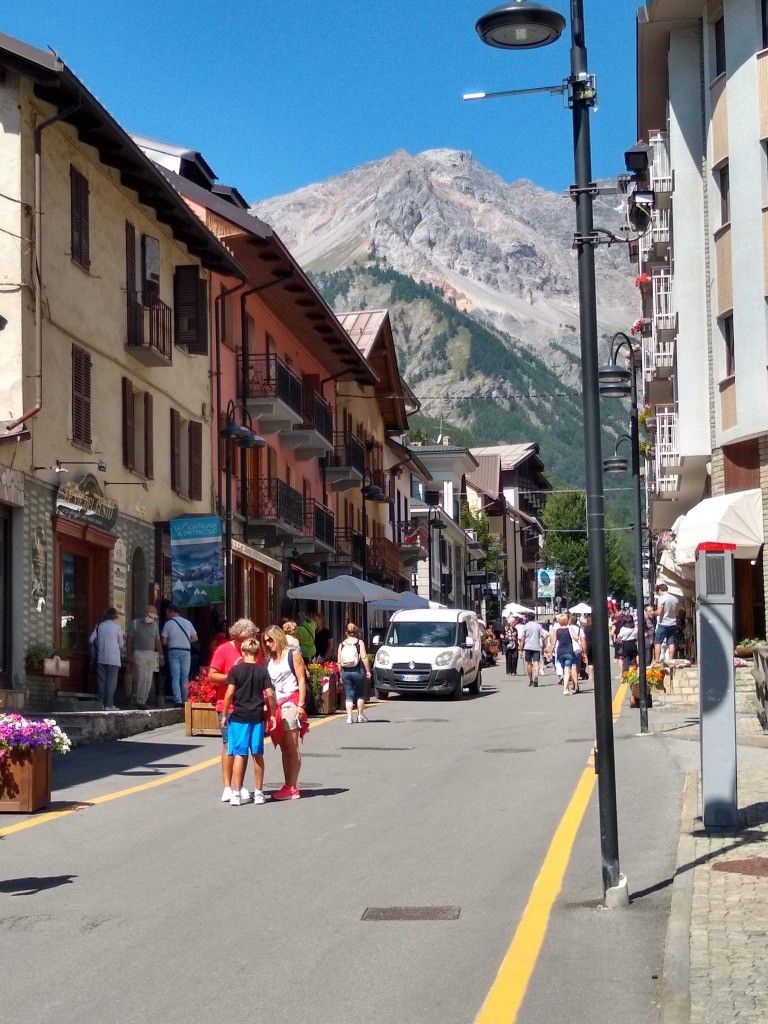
(376, 641)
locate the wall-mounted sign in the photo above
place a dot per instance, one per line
(197, 569)
(85, 503)
(546, 583)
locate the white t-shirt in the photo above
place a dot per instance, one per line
(669, 605)
(283, 680)
(628, 633)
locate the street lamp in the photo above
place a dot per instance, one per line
(243, 436)
(618, 382)
(522, 25)
(369, 491)
(501, 556)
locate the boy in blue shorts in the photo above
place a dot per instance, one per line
(248, 686)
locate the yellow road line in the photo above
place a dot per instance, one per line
(42, 819)
(505, 998)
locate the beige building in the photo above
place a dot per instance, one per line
(106, 398)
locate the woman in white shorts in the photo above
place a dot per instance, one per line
(289, 679)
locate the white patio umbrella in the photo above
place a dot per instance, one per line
(397, 602)
(580, 609)
(344, 589)
(515, 609)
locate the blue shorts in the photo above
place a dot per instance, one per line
(567, 659)
(245, 738)
(668, 633)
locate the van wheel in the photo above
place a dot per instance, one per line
(458, 690)
(476, 687)
(382, 694)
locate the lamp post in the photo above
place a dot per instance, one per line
(617, 382)
(369, 491)
(524, 25)
(501, 556)
(243, 436)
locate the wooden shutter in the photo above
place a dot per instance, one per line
(135, 320)
(190, 298)
(79, 218)
(81, 396)
(129, 448)
(195, 461)
(175, 451)
(149, 440)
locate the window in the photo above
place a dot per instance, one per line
(80, 242)
(186, 457)
(150, 267)
(730, 352)
(724, 185)
(138, 445)
(81, 396)
(719, 33)
(190, 300)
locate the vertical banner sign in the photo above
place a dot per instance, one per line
(546, 583)
(197, 569)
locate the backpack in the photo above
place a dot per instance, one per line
(350, 654)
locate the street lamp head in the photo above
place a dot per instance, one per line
(615, 465)
(437, 524)
(521, 25)
(242, 436)
(372, 492)
(615, 381)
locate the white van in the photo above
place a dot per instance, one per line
(430, 650)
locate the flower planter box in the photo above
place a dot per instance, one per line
(634, 696)
(201, 720)
(25, 781)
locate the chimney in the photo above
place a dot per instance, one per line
(446, 440)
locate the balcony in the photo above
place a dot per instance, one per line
(384, 559)
(150, 329)
(274, 396)
(664, 317)
(276, 508)
(654, 244)
(350, 548)
(658, 357)
(660, 168)
(318, 538)
(346, 463)
(667, 450)
(530, 551)
(313, 437)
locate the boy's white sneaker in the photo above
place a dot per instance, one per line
(349, 719)
(234, 800)
(226, 796)
(258, 797)
(245, 796)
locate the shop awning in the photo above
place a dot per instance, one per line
(728, 518)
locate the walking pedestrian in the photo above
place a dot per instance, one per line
(248, 687)
(565, 652)
(178, 636)
(532, 643)
(353, 662)
(628, 641)
(145, 653)
(106, 645)
(511, 651)
(224, 659)
(289, 628)
(289, 681)
(665, 614)
(323, 639)
(586, 630)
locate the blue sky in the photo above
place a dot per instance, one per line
(278, 94)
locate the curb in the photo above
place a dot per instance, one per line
(676, 986)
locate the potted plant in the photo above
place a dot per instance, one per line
(201, 710)
(35, 656)
(646, 418)
(26, 746)
(323, 680)
(745, 648)
(654, 680)
(645, 448)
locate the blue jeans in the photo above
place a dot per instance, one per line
(106, 677)
(178, 662)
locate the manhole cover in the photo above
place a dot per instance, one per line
(377, 748)
(510, 750)
(303, 755)
(411, 914)
(757, 866)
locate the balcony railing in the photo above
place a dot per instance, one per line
(667, 451)
(150, 324)
(317, 415)
(275, 501)
(661, 171)
(350, 546)
(319, 522)
(347, 451)
(269, 377)
(663, 313)
(384, 556)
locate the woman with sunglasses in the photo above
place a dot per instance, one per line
(289, 679)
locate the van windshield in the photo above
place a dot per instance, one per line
(422, 634)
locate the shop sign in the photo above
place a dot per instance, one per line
(86, 506)
(197, 569)
(546, 583)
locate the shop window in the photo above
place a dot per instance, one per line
(190, 310)
(79, 219)
(81, 396)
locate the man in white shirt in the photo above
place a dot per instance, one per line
(106, 646)
(178, 636)
(531, 642)
(666, 622)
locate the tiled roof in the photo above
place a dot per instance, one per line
(363, 327)
(510, 455)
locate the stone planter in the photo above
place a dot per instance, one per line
(25, 781)
(201, 720)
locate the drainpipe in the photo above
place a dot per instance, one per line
(37, 263)
(217, 304)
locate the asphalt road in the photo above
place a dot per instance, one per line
(166, 905)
